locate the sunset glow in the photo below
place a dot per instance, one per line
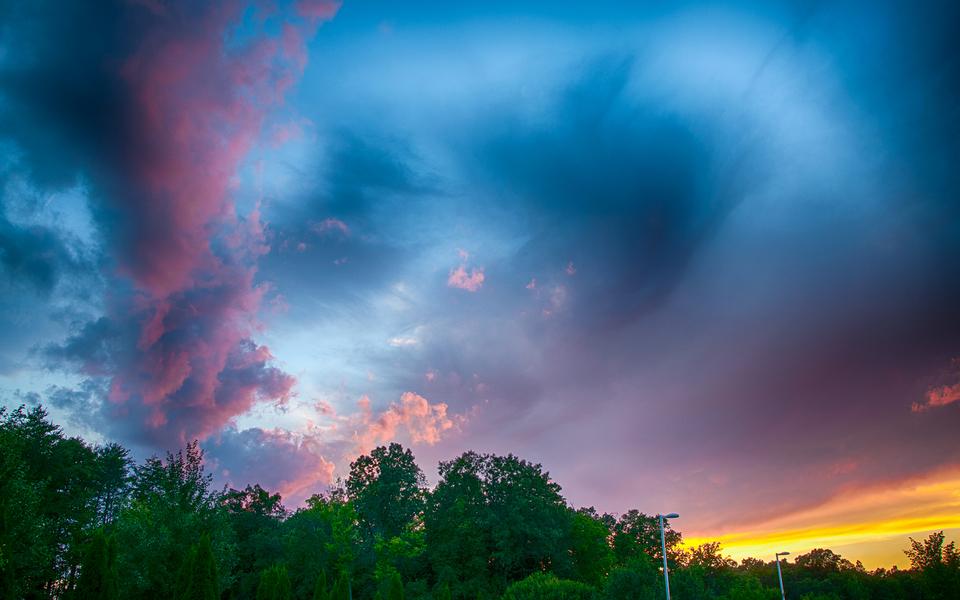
(689, 256)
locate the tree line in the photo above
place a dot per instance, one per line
(79, 521)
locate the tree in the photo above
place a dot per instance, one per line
(746, 587)
(198, 576)
(171, 501)
(342, 591)
(823, 561)
(635, 533)
(274, 584)
(545, 586)
(319, 538)
(48, 504)
(938, 565)
(590, 551)
(393, 588)
(113, 482)
(637, 581)
(709, 557)
(442, 592)
(23, 551)
(387, 489)
(320, 591)
(98, 573)
(255, 516)
(493, 520)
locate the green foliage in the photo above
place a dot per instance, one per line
(343, 589)
(319, 538)
(320, 591)
(393, 588)
(256, 517)
(403, 555)
(54, 491)
(636, 533)
(197, 579)
(98, 573)
(546, 586)
(938, 566)
(387, 490)
(274, 584)
(749, 588)
(170, 502)
(590, 552)
(492, 520)
(75, 523)
(442, 592)
(638, 581)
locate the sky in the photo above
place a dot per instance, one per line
(690, 256)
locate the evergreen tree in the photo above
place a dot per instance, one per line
(198, 576)
(320, 591)
(274, 584)
(342, 590)
(442, 592)
(393, 590)
(98, 573)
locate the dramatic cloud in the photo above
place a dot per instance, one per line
(176, 342)
(723, 234)
(425, 422)
(301, 462)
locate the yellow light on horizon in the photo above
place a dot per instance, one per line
(869, 523)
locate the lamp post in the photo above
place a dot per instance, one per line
(663, 547)
(783, 596)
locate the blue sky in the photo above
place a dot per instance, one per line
(596, 236)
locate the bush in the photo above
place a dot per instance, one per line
(545, 586)
(632, 584)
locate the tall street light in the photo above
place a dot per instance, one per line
(783, 596)
(663, 547)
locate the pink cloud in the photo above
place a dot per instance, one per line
(423, 422)
(461, 279)
(329, 225)
(318, 10)
(301, 462)
(570, 270)
(943, 394)
(293, 463)
(937, 397)
(198, 108)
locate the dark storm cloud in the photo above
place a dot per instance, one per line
(624, 188)
(35, 255)
(772, 266)
(154, 107)
(67, 109)
(728, 237)
(340, 235)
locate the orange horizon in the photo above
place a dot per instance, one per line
(872, 526)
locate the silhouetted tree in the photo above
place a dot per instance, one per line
(98, 573)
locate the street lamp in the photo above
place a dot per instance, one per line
(663, 546)
(783, 596)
